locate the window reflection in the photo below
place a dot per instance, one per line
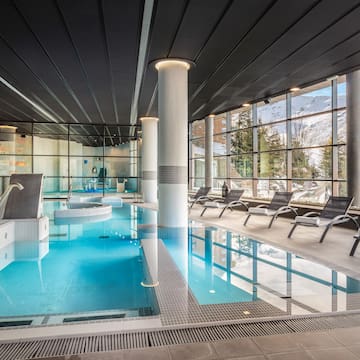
(227, 267)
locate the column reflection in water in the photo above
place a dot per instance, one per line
(209, 257)
(176, 241)
(149, 242)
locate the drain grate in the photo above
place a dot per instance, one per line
(92, 318)
(15, 323)
(35, 349)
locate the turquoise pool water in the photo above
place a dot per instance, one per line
(95, 266)
(99, 266)
(224, 267)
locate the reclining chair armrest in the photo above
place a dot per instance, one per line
(202, 198)
(346, 216)
(262, 206)
(283, 209)
(311, 213)
(239, 202)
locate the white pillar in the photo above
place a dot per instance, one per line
(353, 131)
(149, 158)
(173, 147)
(209, 141)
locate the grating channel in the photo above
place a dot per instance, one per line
(35, 349)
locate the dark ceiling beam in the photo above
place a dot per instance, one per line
(141, 61)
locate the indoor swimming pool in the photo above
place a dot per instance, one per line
(106, 269)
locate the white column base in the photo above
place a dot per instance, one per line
(149, 188)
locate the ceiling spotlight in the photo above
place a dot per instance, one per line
(246, 105)
(293, 89)
(267, 101)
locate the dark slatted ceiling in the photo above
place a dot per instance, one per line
(78, 59)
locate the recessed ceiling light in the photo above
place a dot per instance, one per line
(295, 88)
(212, 291)
(246, 105)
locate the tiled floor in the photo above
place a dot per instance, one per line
(338, 344)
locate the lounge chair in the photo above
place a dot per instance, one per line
(200, 196)
(231, 200)
(333, 213)
(279, 205)
(355, 245)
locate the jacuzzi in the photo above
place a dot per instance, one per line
(82, 211)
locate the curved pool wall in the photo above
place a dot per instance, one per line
(88, 207)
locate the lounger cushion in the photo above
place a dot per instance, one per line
(259, 211)
(308, 220)
(213, 204)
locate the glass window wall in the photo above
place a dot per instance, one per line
(294, 142)
(75, 156)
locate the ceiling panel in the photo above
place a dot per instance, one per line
(78, 60)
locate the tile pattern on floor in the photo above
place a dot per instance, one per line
(338, 344)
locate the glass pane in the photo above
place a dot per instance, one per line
(341, 127)
(244, 185)
(220, 123)
(121, 132)
(312, 131)
(58, 145)
(341, 91)
(241, 166)
(311, 191)
(199, 168)
(23, 144)
(198, 129)
(342, 171)
(7, 164)
(274, 111)
(310, 100)
(87, 130)
(120, 150)
(241, 118)
(196, 183)
(272, 137)
(267, 188)
(241, 141)
(219, 145)
(219, 167)
(313, 163)
(272, 164)
(23, 164)
(51, 165)
(198, 148)
(50, 129)
(117, 167)
(342, 188)
(217, 185)
(22, 128)
(55, 186)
